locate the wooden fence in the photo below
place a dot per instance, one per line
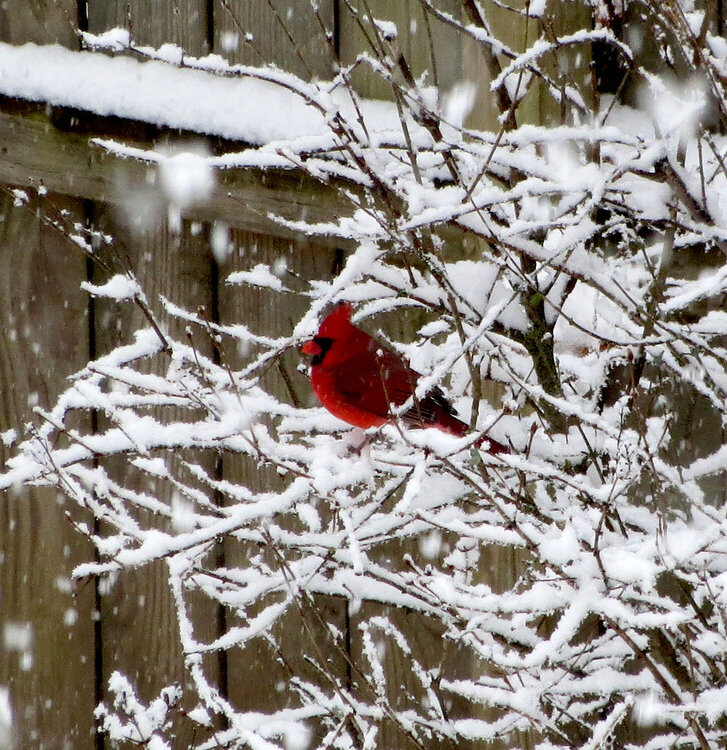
(61, 640)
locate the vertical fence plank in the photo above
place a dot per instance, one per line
(356, 36)
(427, 45)
(46, 620)
(139, 628)
(287, 34)
(45, 338)
(154, 22)
(573, 62)
(39, 21)
(259, 680)
(423, 635)
(508, 24)
(512, 29)
(433, 47)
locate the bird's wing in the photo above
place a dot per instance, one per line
(401, 381)
(431, 409)
(375, 377)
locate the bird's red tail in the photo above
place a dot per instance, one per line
(494, 448)
(449, 423)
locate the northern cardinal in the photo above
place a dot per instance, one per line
(358, 379)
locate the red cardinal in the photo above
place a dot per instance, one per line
(357, 378)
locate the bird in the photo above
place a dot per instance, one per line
(358, 379)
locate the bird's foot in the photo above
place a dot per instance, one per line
(355, 449)
(356, 441)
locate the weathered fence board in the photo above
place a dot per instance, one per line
(287, 33)
(39, 21)
(154, 22)
(140, 632)
(420, 38)
(43, 325)
(259, 678)
(46, 620)
(37, 153)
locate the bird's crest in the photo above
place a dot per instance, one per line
(339, 319)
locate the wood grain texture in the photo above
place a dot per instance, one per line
(36, 153)
(476, 72)
(39, 21)
(154, 22)
(140, 631)
(508, 24)
(259, 675)
(284, 32)
(429, 47)
(43, 327)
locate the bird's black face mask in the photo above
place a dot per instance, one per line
(318, 347)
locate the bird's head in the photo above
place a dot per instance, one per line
(317, 347)
(333, 328)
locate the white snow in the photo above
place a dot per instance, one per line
(7, 734)
(224, 100)
(220, 242)
(186, 179)
(118, 287)
(17, 636)
(115, 40)
(8, 437)
(261, 276)
(458, 103)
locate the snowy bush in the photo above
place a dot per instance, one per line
(566, 281)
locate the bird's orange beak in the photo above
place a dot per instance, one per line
(310, 347)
